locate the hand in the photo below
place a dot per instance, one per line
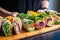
(1, 17)
(42, 10)
(14, 14)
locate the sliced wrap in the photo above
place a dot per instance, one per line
(17, 25)
(48, 21)
(29, 25)
(6, 27)
(40, 24)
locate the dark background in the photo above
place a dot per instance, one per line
(54, 5)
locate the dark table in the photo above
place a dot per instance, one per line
(53, 35)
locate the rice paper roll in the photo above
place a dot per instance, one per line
(40, 24)
(48, 21)
(29, 25)
(6, 27)
(53, 15)
(51, 12)
(57, 22)
(17, 25)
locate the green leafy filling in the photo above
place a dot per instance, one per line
(6, 29)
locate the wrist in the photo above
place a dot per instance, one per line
(14, 14)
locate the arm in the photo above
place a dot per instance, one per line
(4, 12)
(45, 4)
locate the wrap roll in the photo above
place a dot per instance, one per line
(40, 24)
(29, 25)
(48, 21)
(10, 18)
(17, 25)
(53, 14)
(6, 27)
(57, 22)
(55, 17)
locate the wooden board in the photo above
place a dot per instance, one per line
(29, 34)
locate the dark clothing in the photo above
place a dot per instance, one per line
(20, 5)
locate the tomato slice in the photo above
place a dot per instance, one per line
(10, 18)
(32, 25)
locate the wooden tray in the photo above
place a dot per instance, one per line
(29, 34)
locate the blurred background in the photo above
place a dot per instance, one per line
(54, 5)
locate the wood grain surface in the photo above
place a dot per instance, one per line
(29, 34)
